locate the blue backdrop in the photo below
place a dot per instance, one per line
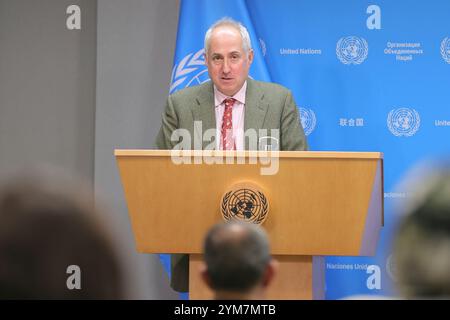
(366, 75)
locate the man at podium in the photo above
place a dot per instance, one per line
(232, 106)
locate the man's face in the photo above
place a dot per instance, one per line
(227, 62)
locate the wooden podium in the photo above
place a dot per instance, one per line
(321, 203)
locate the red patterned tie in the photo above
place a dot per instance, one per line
(227, 125)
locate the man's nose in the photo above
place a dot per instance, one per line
(226, 66)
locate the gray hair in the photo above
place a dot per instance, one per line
(226, 21)
(236, 255)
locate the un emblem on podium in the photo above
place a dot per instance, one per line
(245, 202)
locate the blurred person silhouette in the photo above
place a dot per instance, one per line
(238, 264)
(53, 244)
(421, 247)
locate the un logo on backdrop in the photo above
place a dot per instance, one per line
(191, 70)
(403, 122)
(352, 50)
(445, 49)
(308, 119)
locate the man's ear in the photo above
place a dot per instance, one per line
(250, 56)
(205, 275)
(270, 272)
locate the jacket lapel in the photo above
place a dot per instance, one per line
(203, 110)
(255, 107)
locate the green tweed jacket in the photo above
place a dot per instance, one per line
(267, 106)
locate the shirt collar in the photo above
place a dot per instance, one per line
(239, 96)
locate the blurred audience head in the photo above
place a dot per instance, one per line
(53, 243)
(422, 244)
(238, 264)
